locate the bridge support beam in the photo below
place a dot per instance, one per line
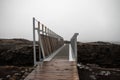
(34, 42)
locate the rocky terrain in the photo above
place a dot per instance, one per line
(96, 60)
(99, 61)
(16, 58)
(14, 72)
(17, 52)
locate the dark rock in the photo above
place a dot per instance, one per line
(99, 61)
(93, 77)
(18, 52)
(101, 53)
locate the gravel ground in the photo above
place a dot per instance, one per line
(94, 72)
(14, 72)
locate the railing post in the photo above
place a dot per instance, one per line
(74, 45)
(34, 42)
(39, 41)
(41, 44)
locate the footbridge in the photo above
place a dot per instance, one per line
(54, 59)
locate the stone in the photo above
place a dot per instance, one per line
(22, 71)
(26, 70)
(102, 73)
(1, 78)
(17, 74)
(8, 76)
(90, 69)
(107, 73)
(92, 77)
(86, 67)
(80, 66)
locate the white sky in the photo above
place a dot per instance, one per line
(94, 20)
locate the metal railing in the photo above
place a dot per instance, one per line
(48, 41)
(74, 46)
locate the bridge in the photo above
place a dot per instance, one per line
(54, 59)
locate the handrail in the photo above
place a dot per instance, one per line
(74, 46)
(48, 41)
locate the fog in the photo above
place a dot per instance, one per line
(94, 20)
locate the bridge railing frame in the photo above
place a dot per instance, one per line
(43, 32)
(74, 46)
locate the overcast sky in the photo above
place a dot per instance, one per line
(94, 20)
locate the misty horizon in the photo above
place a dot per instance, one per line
(94, 20)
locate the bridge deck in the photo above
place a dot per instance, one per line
(59, 68)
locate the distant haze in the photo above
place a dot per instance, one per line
(94, 20)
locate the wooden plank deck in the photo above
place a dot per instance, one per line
(59, 68)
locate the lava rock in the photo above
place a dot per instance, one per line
(100, 53)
